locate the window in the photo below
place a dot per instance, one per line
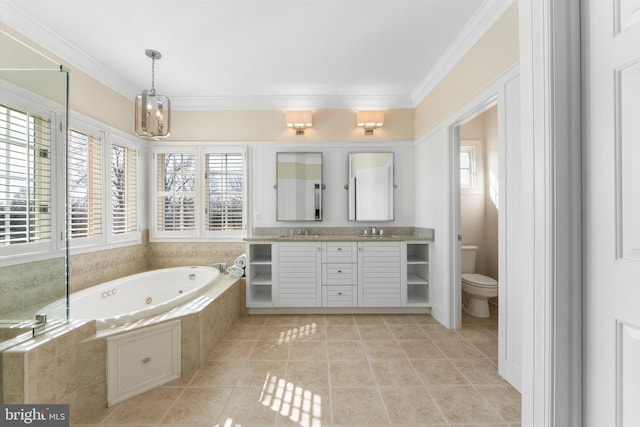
(176, 191)
(25, 178)
(84, 171)
(225, 191)
(199, 194)
(467, 162)
(124, 206)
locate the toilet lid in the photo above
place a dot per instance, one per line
(479, 279)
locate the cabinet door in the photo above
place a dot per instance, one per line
(379, 274)
(299, 274)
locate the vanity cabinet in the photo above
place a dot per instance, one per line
(379, 274)
(339, 274)
(365, 274)
(299, 274)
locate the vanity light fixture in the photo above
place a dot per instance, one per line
(153, 111)
(370, 120)
(299, 120)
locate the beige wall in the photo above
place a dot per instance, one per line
(494, 54)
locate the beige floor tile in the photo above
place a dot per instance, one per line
(281, 320)
(394, 372)
(488, 347)
(464, 404)
(368, 319)
(351, 373)
(421, 349)
(308, 350)
(308, 373)
(266, 350)
(250, 406)
(438, 372)
(384, 349)
(258, 372)
(342, 332)
(357, 406)
(504, 399)
(254, 319)
(182, 381)
(339, 319)
(407, 332)
(310, 319)
(307, 332)
(458, 349)
(305, 408)
(279, 334)
(339, 350)
(244, 332)
(438, 332)
(423, 319)
(474, 332)
(147, 408)
(411, 406)
(200, 406)
(479, 371)
(398, 319)
(375, 332)
(232, 349)
(219, 373)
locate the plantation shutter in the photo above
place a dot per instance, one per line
(84, 168)
(176, 191)
(124, 209)
(225, 191)
(25, 177)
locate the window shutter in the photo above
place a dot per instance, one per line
(225, 191)
(25, 177)
(176, 191)
(84, 168)
(124, 210)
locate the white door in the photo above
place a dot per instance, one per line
(611, 169)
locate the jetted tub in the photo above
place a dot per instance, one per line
(135, 297)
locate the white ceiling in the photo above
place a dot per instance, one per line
(261, 53)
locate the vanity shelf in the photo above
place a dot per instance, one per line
(417, 264)
(259, 275)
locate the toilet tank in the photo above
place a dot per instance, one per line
(468, 258)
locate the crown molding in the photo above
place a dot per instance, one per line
(56, 45)
(484, 18)
(291, 102)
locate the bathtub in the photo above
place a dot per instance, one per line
(135, 297)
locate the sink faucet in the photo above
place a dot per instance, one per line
(222, 266)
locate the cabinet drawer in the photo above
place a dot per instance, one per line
(339, 252)
(338, 274)
(339, 296)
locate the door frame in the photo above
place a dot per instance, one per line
(552, 307)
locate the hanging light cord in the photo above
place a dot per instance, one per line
(153, 75)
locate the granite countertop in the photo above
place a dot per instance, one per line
(337, 238)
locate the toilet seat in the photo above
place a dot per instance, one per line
(479, 280)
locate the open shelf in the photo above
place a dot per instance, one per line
(417, 264)
(259, 275)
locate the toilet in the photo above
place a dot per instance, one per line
(476, 288)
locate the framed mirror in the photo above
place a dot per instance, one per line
(299, 186)
(370, 186)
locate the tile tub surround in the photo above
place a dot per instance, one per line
(171, 254)
(68, 365)
(288, 370)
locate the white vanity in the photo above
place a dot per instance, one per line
(333, 272)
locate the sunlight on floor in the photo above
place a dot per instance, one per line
(297, 333)
(299, 405)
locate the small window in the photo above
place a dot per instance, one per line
(124, 207)
(84, 169)
(467, 167)
(225, 191)
(176, 191)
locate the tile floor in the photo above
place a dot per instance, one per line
(336, 370)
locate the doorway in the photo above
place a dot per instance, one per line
(502, 255)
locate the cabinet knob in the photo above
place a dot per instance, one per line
(339, 249)
(339, 293)
(339, 271)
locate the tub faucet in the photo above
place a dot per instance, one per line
(222, 266)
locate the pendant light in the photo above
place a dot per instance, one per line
(153, 111)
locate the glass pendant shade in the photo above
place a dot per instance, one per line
(153, 114)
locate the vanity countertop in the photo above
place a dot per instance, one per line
(338, 238)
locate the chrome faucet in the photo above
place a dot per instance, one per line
(222, 266)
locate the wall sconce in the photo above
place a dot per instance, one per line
(299, 120)
(153, 111)
(370, 120)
